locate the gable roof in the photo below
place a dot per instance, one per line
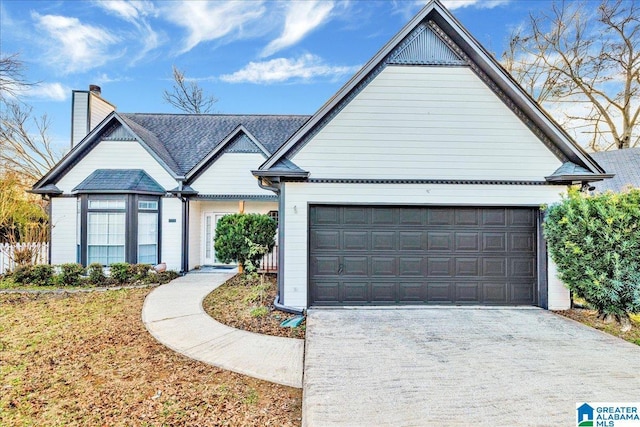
(625, 163)
(119, 181)
(435, 37)
(179, 142)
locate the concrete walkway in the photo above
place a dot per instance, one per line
(173, 314)
(459, 366)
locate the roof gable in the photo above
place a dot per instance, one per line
(119, 181)
(435, 37)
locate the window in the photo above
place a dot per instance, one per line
(106, 231)
(118, 228)
(273, 215)
(147, 232)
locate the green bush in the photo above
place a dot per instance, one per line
(42, 275)
(237, 236)
(70, 274)
(96, 274)
(120, 272)
(139, 271)
(595, 242)
(21, 274)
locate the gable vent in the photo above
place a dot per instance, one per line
(118, 132)
(243, 144)
(424, 47)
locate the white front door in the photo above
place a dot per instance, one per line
(210, 221)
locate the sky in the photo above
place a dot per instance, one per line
(255, 57)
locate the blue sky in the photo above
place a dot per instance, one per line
(271, 57)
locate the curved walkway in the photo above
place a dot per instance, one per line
(173, 314)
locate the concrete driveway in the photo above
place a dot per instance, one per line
(459, 366)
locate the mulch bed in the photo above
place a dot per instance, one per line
(247, 303)
(590, 318)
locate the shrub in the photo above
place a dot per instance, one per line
(21, 274)
(238, 234)
(139, 271)
(595, 243)
(96, 274)
(42, 275)
(70, 274)
(120, 272)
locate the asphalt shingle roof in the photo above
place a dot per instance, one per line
(183, 140)
(119, 180)
(625, 164)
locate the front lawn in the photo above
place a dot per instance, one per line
(247, 303)
(86, 359)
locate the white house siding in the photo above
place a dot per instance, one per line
(80, 116)
(197, 209)
(299, 195)
(559, 296)
(231, 174)
(172, 233)
(426, 123)
(64, 230)
(116, 155)
(99, 110)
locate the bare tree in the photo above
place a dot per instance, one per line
(188, 96)
(12, 81)
(575, 56)
(25, 147)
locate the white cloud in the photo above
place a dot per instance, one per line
(135, 12)
(211, 20)
(302, 17)
(50, 92)
(72, 45)
(481, 4)
(305, 68)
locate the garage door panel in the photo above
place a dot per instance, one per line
(384, 266)
(439, 267)
(355, 292)
(382, 292)
(494, 241)
(325, 239)
(355, 240)
(439, 240)
(356, 215)
(494, 267)
(494, 293)
(410, 266)
(325, 265)
(363, 255)
(467, 241)
(497, 216)
(355, 266)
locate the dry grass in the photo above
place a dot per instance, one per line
(590, 318)
(247, 304)
(87, 360)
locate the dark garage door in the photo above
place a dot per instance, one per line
(363, 255)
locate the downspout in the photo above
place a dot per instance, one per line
(185, 229)
(275, 187)
(50, 227)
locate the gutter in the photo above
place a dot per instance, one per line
(285, 308)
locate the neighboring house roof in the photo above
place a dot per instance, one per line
(180, 142)
(119, 181)
(415, 45)
(624, 163)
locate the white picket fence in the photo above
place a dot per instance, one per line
(7, 259)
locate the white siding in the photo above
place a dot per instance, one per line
(299, 195)
(197, 210)
(559, 295)
(231, 174)
(64, 230)
(116, 155)
(172, 233)
(99, 110)
(426, 123)
(80, 117)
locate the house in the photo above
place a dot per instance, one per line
(625, 163)
(419, 182)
